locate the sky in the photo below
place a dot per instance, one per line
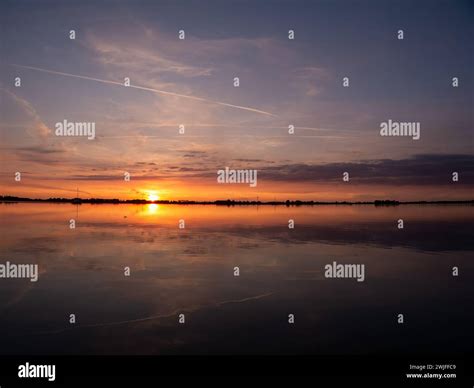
(283, 82)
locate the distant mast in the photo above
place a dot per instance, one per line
(77, 200)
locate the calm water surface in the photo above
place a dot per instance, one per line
(191, 271)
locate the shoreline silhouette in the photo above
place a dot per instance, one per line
(228, 202)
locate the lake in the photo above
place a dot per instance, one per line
(191, 271)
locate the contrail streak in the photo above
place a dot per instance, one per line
(148, 89)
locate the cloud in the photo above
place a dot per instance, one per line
(310, 79)
(424, 169)
(39, 128)
(249, 160)
(195, 154)
(135, 58)
(38, 154)
(35, 150)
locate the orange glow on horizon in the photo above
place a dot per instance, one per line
(176, 190)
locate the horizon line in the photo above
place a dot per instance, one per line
(229, 202)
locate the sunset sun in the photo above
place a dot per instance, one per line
(153, 197)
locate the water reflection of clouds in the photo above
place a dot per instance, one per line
(191, 271)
